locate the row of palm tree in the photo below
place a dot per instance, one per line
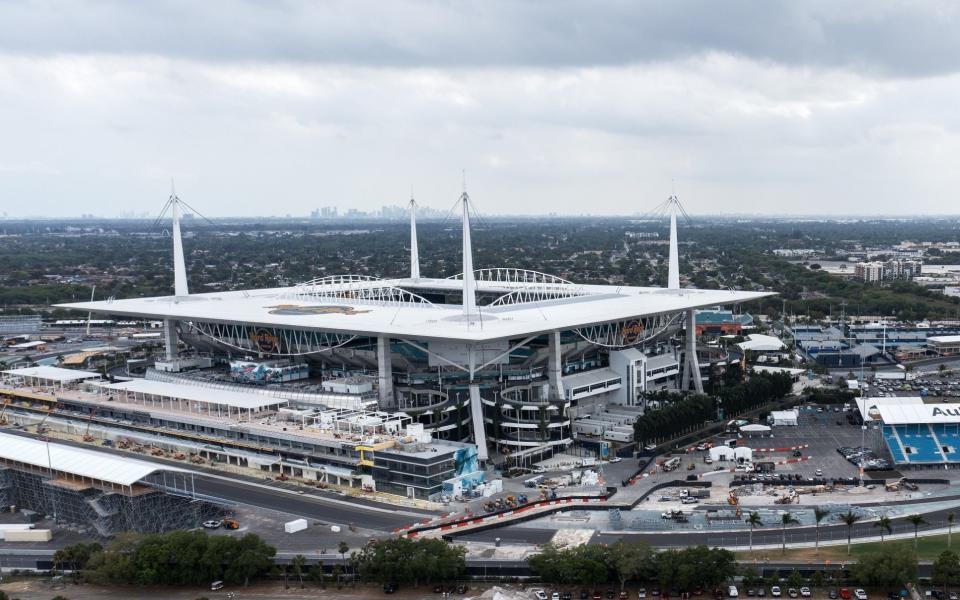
(885, 524)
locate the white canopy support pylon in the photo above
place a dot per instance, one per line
(179, 266)
(469, 282)
(673, 272)
(414, 251)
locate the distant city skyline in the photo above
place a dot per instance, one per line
(602, 108)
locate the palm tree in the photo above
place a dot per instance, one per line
(819, 514)
(786, 519)
(753, 519)
(298, 562)
(916, 521)
(849, 519)
(884, 523)
(950, 519)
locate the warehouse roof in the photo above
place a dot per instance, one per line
(119, 470)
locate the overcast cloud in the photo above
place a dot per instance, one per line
(263, 108)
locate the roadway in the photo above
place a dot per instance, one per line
(771, 534)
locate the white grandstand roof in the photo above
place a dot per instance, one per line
(119, 470)
(594, 305)
(196, 394)
(53, 373)
(918, 413)
(944, 339)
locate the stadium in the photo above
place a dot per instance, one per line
(499, 357)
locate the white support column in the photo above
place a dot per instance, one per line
(414, 252)
(170, 338)
(554, 367)
(476, 411)
(691, 366)
(673, 265)
(385, 369)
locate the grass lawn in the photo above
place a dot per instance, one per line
(928, 548)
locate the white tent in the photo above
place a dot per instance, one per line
(755, 429)
(783, 418)
(761, 343)
(726, 453)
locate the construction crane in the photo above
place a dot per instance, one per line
(3, 419)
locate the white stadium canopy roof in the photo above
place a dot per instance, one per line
(593, 304)
(119, 470)
(196, 394)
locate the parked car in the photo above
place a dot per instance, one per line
(732, 591)
(540, 594)
(775, 591)
(212, 524)
(792, 592)
(845, 594)
(641, 593)
(860, 594)
(805, 592)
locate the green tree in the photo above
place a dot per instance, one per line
(951, 517)
(816, 580)
(795, 579)
(916, 521)
(253, 557)
(885, 525)
(630, 560)
(819, 514)
(298, 563)
(753, 519)
(892, 565)
(317, 575)
(849, 519)
(786, 519)
(946, 569)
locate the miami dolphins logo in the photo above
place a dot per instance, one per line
(298, 310)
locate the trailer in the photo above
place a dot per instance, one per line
(618, 435)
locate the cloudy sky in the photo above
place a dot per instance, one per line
(263, 108)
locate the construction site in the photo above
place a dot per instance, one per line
(94, 493)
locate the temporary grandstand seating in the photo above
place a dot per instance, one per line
(948, 437)
(920, 444)
(893, 442)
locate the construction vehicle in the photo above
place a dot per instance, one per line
(86, 434)
(41, 429)
(231, 524)
(671, 464)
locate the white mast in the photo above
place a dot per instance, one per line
(673, 269)
(414, 252)
(469, 285)
(179, 266)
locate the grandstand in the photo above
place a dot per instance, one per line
(915, 432)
